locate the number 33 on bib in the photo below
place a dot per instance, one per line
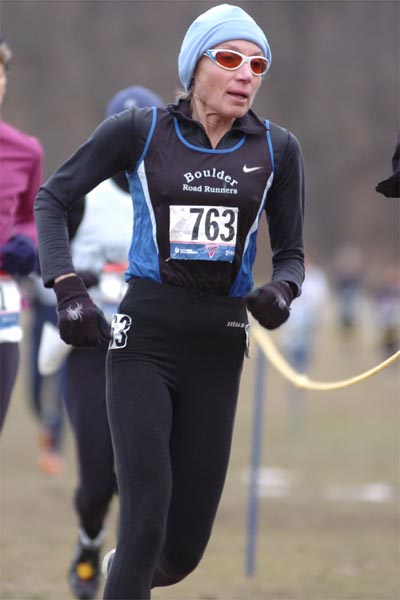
(203, 232)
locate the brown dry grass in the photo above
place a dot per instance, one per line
(308, 548)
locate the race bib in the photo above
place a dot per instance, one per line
(203, 232)
(10, 303)
(112, 287)
(10, 307)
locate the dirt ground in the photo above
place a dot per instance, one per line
(328, 493)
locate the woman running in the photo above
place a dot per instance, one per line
(202, 172)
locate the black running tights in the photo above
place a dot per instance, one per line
(171, 397)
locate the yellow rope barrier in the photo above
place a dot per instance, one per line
(301, 380)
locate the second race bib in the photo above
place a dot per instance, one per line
(10, 307)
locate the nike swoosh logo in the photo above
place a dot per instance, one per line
(250, 169)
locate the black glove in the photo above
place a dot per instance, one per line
(89, 278)
(18, 255)
(80, 321)
(270, 303)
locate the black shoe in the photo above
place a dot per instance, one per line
(84, 574)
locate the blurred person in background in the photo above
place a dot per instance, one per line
(386, 301)
(100, 233)
(390, 187)
(387, 297)
(201, 174)
(46, 358)
(298, 334)
(21, 159)
(47, 385)
(348, 286)
(46, 391)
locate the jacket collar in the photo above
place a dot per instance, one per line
(249, 123)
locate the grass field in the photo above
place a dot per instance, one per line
(328, 494)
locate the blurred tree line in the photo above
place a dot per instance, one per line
(334, 82)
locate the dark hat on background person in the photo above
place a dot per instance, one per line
(390, 187)
(135, 95)
(218, 24)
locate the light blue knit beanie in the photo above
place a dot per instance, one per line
(219, 24)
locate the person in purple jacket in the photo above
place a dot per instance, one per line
(21, 174)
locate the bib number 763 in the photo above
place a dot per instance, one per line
(195, 230)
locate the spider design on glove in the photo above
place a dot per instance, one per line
(75, 314)
(281, 302)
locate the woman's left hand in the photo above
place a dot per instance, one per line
(270, 304)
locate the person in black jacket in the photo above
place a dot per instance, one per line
(390, 187)
(202, 173)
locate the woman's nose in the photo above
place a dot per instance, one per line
(245, 72)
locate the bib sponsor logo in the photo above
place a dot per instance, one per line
(212, 250)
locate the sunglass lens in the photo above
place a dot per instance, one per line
(229, 60)
(259, 65)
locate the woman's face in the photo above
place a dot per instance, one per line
(228, 94)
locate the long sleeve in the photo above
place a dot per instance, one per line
(285, 209)
(109, 150)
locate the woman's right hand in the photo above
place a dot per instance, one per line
(80, 321)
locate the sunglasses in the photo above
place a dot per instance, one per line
(232, 60)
